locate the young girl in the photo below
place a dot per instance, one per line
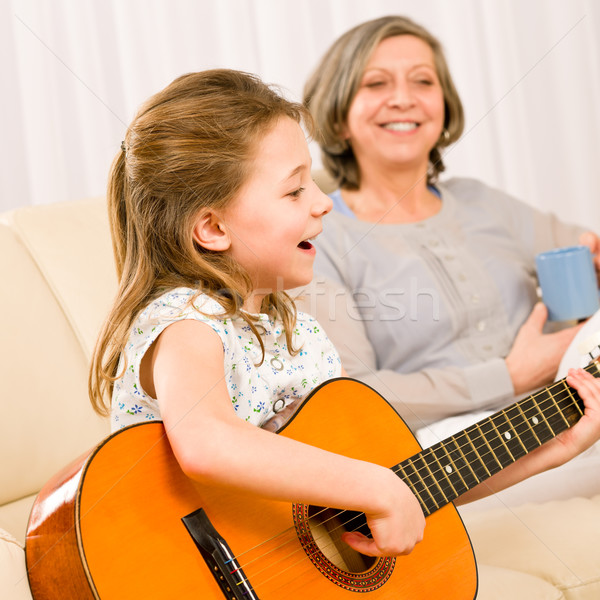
(212, 210)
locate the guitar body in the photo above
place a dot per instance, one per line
(109, 526)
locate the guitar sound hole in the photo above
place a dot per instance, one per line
(327, 526)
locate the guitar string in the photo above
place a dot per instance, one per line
(485, 444)
(303, 557)
(343, 525)
(472, 451)
(304, 554)
(559, 399)
(469, 445)
(564, 394)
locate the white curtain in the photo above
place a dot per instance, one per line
(74, 72)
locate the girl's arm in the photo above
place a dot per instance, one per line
(556, 452)
(184, 371)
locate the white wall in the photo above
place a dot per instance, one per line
(76, 70)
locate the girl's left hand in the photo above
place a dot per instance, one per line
(282, 417)
(586, 431)
(592, 241)
(556, 452)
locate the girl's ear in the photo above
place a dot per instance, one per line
(211, 233)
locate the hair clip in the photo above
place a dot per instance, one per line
(123, 147)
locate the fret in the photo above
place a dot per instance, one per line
(537, 419)
(504, 437)
(496, 444)
(430, 482)
(593, 366)
(441, 473)
(575, 404)
(413, 485)
(562, 416)
(491, 451)
(462, 466)
(554, 433)
(428, 503)
(555, 416)
(440, 470)
(466, 461)
(453, 464)
(514, 431)
(435, 480)
(451, 469)
(526, 420)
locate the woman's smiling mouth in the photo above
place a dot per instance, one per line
(400, 126)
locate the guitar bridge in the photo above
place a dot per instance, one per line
(218, 556)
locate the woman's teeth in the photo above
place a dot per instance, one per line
(401, 126)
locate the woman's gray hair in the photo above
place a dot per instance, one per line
(330, 90)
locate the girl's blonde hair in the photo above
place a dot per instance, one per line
(190, 147)
(330, 90)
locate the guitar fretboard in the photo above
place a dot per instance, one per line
(444, 471)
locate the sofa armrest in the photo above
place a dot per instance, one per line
(14, 584)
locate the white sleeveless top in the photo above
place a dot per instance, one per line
(254, 390)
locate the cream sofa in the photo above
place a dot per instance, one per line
(57, 275)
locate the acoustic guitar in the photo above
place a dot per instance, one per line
(124, 522)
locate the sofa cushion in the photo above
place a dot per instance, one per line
(14, 517)
(555, 541)
(43, 371)
(70, 244)
(13, 574)
(496, 583)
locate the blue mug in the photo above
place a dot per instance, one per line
(568, 282)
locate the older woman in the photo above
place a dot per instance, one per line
(427, 288)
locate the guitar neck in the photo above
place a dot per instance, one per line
(441, 473)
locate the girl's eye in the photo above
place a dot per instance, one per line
(373, 84)
(296, 193)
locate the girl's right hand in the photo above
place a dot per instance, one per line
(397, 529)
(535, 356)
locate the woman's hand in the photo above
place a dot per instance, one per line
(397, 529)
(592, 241)
(535, 356)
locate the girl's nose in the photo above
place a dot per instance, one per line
(322, 203)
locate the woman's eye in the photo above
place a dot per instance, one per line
(373, 84)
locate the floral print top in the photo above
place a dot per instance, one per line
(256, 392)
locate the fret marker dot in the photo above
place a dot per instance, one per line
(507, 435)
(535, 420)
(448, 469)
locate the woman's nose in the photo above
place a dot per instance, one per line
(401, 96)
